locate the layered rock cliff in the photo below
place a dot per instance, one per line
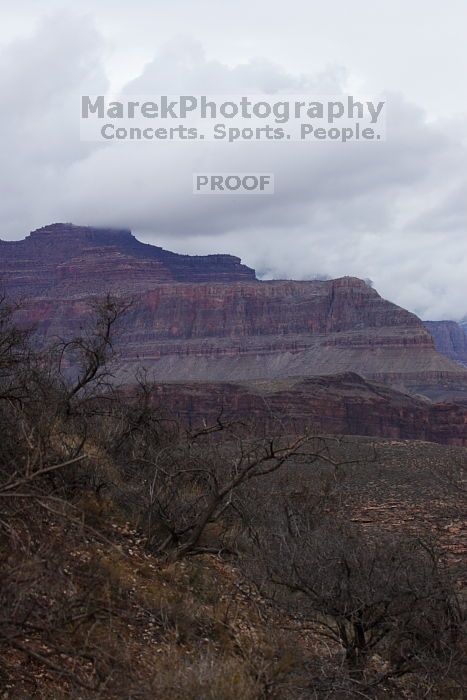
(344, 404)
(450, 339)
(63, 261)
(266, 330)
(209, 319)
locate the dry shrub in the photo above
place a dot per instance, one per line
(205, 675)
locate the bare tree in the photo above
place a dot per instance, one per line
(195, 483)
(382, 595)
(45, 419)
(84, 361)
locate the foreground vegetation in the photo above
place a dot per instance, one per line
(141, 559)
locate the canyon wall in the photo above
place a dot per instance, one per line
(208, 318)
(450, 339)
(63, 261)
(343, 404)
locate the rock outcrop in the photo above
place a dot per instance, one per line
(450, 339)
(343, 404)
(63, 261)
(208, 318)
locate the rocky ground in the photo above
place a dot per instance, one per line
(197, 628)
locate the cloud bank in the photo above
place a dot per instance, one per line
(394, 212)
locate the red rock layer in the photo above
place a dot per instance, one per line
(207, 318)
(65, 260)
(340, 405)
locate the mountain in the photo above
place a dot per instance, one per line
(64, 261)
(450, 339)
(207, 318)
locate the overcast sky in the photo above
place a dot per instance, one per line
(395, 212)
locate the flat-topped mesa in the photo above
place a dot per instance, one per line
(66, 235)
(208, 318)
(64, 260)
(290, 311)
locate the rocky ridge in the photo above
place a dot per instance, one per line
(343, 404)
(63, 261)
(208, 319)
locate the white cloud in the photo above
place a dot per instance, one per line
(393, 211)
